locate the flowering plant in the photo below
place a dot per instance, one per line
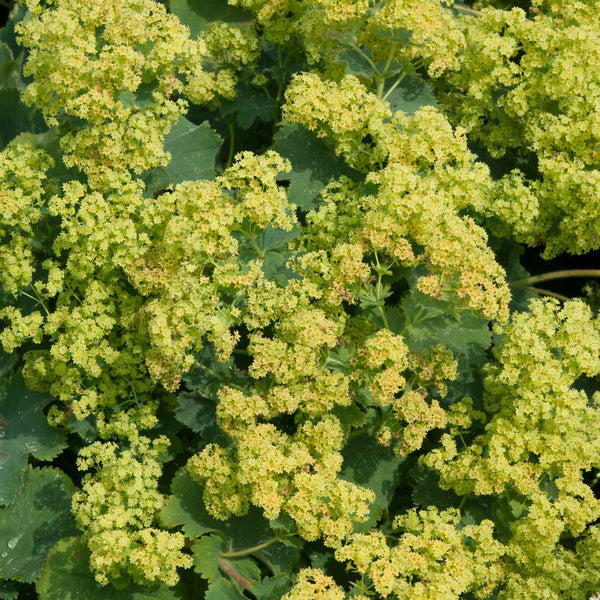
(265, 329)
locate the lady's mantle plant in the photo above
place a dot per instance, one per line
(266, 292)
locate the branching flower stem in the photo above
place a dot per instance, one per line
(250, 550)
(555, 275)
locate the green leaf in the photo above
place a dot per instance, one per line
(193, 149)
(209, 563)
(10, 69)
(429, 322)
(314, 164)
(206, 552)
(67, 576)
(196, 14)
(427, 491)
(16, 118)
(8, 591)
(250, 103)
(23, 431)
(7, 361)
(272, 588)
(223, 589)
(39, 517)
(195, 412)
(356, 62)
(371, 465)
(245, 566)
(412, 93)
(272, 238)
(185, 508)
(7, 33)
(209, 374)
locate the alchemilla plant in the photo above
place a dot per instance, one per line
(265, 330)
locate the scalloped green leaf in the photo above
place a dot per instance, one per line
(370, 465)
(223, 590)
(206, 552)
(37, 519)
(67, 576)
(185, 508)
(212, 566)
(314, 164)
(413, 93)
(16, 118)
(250, 103)
(429, 322)
(196, 14)
(24, 431)
(272, 588)
(193, 150)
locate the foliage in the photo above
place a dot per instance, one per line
(265, 330)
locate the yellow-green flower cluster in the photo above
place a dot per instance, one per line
(393, 32)
(295, 473)
(530, 86)
(434, 558)
(540, 438)
(88, 62)
(117, 508)
(22, 177)
(425, 177)
(313, 584)
(434, 38)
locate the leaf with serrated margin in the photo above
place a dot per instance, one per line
(429, 322)
(67, 576)
(209, 374)
(37, 519)
(370, 465)
(185, 508)
(314, 164)
(413, 93)
(249, 104)
(195, 412)
(24, 431)
(272, 588)
(193, 150)
(223, 590)
(205, 553)
(196, 14)
(16, 118)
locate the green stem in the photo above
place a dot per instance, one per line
(383, 317)
(542, 292)
(231, 142)
(260, 253)
(250, 550)
(466, 9)
(380, 85)
(227, 568)
(37, 300)
(366, 57)
(556, 275)
(394, 86)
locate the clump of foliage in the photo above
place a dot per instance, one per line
(265, 330)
